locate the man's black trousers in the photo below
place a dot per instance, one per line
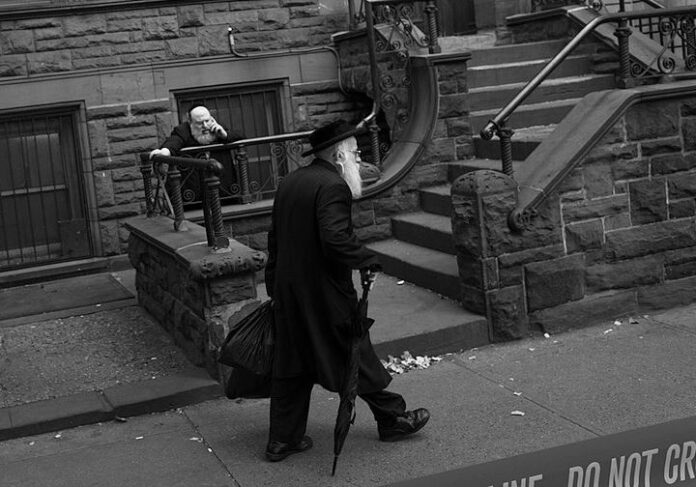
(290, 407)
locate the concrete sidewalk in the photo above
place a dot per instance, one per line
(576, 386)
(106, 358)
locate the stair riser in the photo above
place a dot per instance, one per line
(423, 236)
(523, 118)
(515, 53)
(490, 149)
(436, 203)
(485, 100)
(495, 76)
(446, 285)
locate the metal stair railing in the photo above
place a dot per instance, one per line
(681, 18)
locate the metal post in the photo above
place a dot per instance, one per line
(146, 170)
(243, 162)
(505, 135)
(372, 47)
(212, 195)
(622, 5)
(622, 33)
(174, 178)
(431, 13)
(374, 143)
(352, 21)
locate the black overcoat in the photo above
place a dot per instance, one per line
(312, 252)
(181, 137)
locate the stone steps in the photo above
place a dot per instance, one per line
(421, 249)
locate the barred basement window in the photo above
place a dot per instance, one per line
(254, 111)
(43, 215)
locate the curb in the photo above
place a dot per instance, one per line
(162, 394)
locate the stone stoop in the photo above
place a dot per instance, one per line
(421, 249)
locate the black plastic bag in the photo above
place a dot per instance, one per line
(242, 383)
(249, 344)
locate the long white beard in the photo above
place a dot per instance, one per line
(203, 138)
(351, 175)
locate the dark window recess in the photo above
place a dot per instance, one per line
(42, 204)
(253, 111)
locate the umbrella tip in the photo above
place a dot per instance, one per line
(333, 470)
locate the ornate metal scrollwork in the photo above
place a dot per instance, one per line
(666, 64)
(188, 195)
(388, 100)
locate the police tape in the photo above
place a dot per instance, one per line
(662, 455)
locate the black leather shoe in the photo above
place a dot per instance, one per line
(277, 450)
(405, 425)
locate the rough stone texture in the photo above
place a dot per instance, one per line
(194, 295)
(649, 239)
(596, 208)
(652, 120)
(624, 273)
(668, 295)
(648, 201)
(508, 318)
(586, 312)
(584, 235)
(553, 282)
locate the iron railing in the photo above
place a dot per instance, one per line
(252, 167)
(663, 64)
(201, 179)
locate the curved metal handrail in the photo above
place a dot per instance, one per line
(493, 125)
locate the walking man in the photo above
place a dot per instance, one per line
(312, 253)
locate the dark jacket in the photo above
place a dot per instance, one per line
(312, 252)
(181, 137)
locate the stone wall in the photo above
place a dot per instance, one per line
(190, 290)
(120, 66)
(617, 238)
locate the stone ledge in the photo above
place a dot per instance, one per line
(190, 247)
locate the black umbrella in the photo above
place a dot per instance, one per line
(349, 389)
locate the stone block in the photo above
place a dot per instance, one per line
(672, 163)
(231, 289)
(127, 87)
(680, 270)
(688, 107)
(84, 25)
(457, 127)
(98, 140)
(16, 42)
(96, 62)
(650, 239)
(510, 276)
(584, 235)
(630, 169)
(191, 16)
(273, 18)
(662, 146)
(110, 241)
(682, 208)
(471, 272)
(132, 133)
(530, 255)
(49, 62)
(553, 282)
(678, 292)
(103, 188)
(473, 299)
(454, 105)
(160, 28)
(689, 133)
(13, 65)
(589, 311)
(625, 273)
(652, 120)
(595, 208)
(681, 186)
(597, 179)
(150, 106)
(573, 181)
(108, 39)
(212, 41)
(612, 153)
(47, 34)
(124, 25)
(648, 200)
(614, 222)
(182, 48)
(508, 319)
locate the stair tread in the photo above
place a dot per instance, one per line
(427, 219)
(541, 62)
(565, 80)
(433, 260)
(531, 106)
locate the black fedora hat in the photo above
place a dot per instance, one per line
(331, 134)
